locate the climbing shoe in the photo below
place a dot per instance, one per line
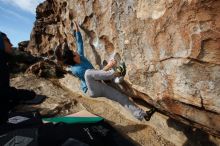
(121, 69)
(149, 113)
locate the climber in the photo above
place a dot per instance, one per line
(91, 79)
(10, 96)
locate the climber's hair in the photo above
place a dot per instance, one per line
(65, 56)
(68, 57)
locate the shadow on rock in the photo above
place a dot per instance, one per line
(129, 129)
(47, 69)
(19, 61)
(195, 137)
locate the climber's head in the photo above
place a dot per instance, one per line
(5, 44)
(67, 57)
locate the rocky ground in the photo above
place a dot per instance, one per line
(62, 101)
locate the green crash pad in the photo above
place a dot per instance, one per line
(71, 120)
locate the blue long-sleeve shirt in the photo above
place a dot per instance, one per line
(80, 69)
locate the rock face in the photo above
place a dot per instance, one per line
(171, 48)
(22, 45)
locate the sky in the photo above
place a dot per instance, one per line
(17, 19)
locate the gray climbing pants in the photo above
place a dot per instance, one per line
(96, 88)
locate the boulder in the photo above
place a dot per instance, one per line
(171, 49)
